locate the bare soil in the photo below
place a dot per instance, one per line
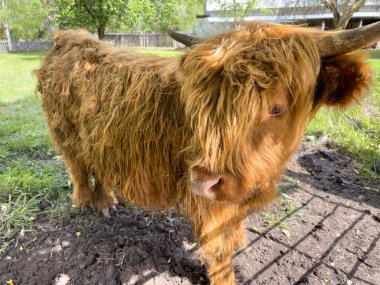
(324, 229)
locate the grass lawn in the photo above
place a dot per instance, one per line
(161, 52)
(29, 172)
(32, 176)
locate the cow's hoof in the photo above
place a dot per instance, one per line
(106, 211)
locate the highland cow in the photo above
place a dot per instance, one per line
(209, 131)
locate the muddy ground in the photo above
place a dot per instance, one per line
(324, 229)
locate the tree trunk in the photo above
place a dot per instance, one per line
(336, 17)
(48, 22)
(343, 22)
(341, 19)
(101, 32)
(7, 31)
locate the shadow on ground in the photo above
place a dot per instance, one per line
(132, 248)
(330, 236)
(323, 230)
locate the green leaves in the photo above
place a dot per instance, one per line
(152, 15)
(94, 15)
(237, 10)
(26, 19)
(31, 19)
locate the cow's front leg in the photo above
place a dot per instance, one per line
(104, 199)
(220, 230)
(83, 191)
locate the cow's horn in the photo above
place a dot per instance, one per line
(336, 43)
(184, 39)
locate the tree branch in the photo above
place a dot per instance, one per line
(357, 5)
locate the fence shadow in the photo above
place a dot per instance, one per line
(140, 247)
(333, 191)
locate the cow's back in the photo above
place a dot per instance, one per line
(119, 113)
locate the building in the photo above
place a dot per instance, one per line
(310, 12)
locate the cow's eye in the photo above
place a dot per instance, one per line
(276, 110)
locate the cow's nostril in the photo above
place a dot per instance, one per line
(220, 181)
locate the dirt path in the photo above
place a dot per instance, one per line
(325, 229)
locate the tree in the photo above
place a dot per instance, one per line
(342, 10)
(4, 26)
(95, 15)
(238, 10)
(152, 15)
(188, 10)
(165, 14)
(26, 19)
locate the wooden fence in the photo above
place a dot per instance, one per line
(26, 46)
(117, 39)
(142, 40)
(3, 46)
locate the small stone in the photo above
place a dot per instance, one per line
(157, 280)
(349, 282)
(62, 279)
(56, 249)
(310, 138)
(324, 140)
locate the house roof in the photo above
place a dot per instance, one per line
(283, 11)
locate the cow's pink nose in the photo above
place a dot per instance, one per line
(202, 184)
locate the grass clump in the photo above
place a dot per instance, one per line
(24, 184)
(289, 210)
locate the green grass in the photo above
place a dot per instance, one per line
(29, 173)
(375, 54)
(285, 215)
(357, 130)
(161, 52)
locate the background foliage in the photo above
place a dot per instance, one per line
(95, 15)
(27, 19)
(31, 19)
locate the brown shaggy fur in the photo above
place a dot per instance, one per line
(159, 131)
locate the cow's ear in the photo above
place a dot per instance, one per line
(342, 80)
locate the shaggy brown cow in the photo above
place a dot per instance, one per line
(210, 131)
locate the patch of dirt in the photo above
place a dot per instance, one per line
(324, 229)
